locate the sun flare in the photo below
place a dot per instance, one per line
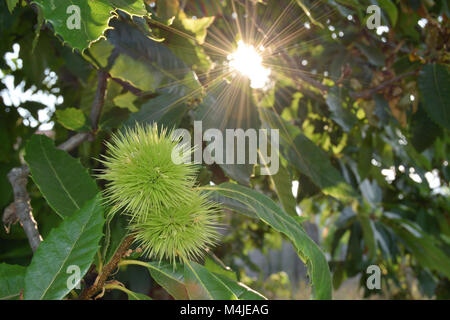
(248, 61)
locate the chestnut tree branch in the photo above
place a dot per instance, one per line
(18, 177)
(88, 292)
(99, 99)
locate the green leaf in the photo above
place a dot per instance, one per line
(170, 277)
(308, 158)
(168, 9)
(61, 179)
(368, 228)
(240, 290)
(146, 64)
(193, 281)
(391, 10)
(282, 183)
(271, 214)
(137, 296)
(201, 283)
(11, 4)
(126, 101)
(342, 116)
(424, 247)
(73, 243)
(11, 281)
(71, 118)
(434, 81)
(186, 43)
(85, 21)
(197, 27)
(164, 109)
(213, 266)
(126, 68)
(237, 111)
(424, 131)
(131, 295)
(133, 7)
(93, 18)
(373, 54)
(37, 31)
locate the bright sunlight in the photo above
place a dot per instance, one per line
(247, 61)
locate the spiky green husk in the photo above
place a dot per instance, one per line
(169, 218)
(142, 176)
(183, 231)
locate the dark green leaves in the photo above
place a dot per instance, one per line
(170, 277)
(201, 284)
(62, 180)
(308, 158)
(434, 84)
(73, 243)
(391, 9)
(11, 281)
(236, 112)
(133, 7)
(146, 64)
(271, 214)
(424, 247)
(12, 4)
(339, 114)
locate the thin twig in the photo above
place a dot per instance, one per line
(370, 92)
(88, 292)
(99, 99)
(126, 85)
(74, 141)
(18, 177)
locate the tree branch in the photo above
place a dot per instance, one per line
(370, 92)
(136, 91)
(18, 177)
(74, 141)
(99, 99)
(88, 292)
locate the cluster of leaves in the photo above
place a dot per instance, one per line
(342, 118)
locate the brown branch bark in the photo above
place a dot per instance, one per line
(88, 292)
(99, 99)
(18, 177)
(371, 91)
(74, 141)
(136, 91)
